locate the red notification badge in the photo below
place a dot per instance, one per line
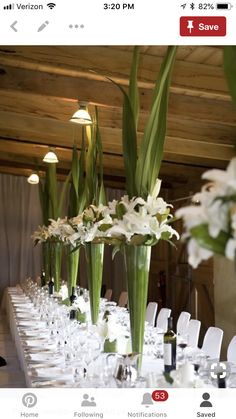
(160, 395)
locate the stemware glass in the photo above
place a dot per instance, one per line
(182, 342)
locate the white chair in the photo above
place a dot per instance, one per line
(151, 312)
(108, 294)
(182, 323)
(123, 299)
(212, 342)
(193, 331)
(162, 319)
(231, 351)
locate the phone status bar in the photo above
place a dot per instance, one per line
(113, 23)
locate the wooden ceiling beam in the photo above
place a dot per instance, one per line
(13, 153)
(20, 170)
(17, 151)
(104, 93)
(57, 133)
(96, 62)
(210, 128)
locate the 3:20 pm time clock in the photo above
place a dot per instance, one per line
(118, 6)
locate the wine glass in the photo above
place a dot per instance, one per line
(182, 344)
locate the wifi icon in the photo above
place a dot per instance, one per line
(51, 5)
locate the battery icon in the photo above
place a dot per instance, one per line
(224, 6)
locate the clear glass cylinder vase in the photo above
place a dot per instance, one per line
(137, 266)
(94, 261)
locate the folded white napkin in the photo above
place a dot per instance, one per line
(27, 316)
(45, 357)
(53, 372)
(35, 324)
(40, 343)
(35, 334)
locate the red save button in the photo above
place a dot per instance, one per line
(203, 26)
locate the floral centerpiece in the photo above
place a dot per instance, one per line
(82, 309)
(138, 224)
(88, 191)
(52, 263)
(140, 219)
(51, 206)
(133, 226)
(137, 227)
(210, 224)
(110, 330)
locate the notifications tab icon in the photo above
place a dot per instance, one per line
(203, 26)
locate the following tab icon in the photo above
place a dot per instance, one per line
(203, 26)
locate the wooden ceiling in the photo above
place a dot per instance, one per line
(40, 87)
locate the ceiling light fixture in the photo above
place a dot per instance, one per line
(82, 116)
(50, 157)
(33, 179)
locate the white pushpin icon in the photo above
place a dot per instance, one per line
(190, 25)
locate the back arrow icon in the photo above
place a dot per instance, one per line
(13, 26)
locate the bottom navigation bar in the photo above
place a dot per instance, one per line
(116, 403)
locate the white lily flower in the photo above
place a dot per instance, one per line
(156, 205)
(197, 254)
(73, 238)
(110, 329)
(112, 206)
(41, 235)
(55, 227)
(192, 215)
(230, 249)
(156, 190)
(140, 218)
(226, 177)
(81, 304)
(77, 220)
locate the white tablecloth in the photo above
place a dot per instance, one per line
(149, 365)
(8, 308)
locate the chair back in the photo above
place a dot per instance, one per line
(123, 299)
(151, 312)
(212, 342)
(182, 323)
(162, 319)
(108, 294)
(231, 351)
(193, 331)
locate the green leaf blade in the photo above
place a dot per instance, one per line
(152, 146)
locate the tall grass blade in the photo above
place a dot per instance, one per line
(151, 149)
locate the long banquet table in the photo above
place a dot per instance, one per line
(150, 365)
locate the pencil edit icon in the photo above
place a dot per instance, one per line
(43, 26)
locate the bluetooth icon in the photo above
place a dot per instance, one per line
(192, 6)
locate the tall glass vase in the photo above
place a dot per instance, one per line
(72, 267)
(94, 260)
(46, 262)
(56, 256)
(137, 265)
